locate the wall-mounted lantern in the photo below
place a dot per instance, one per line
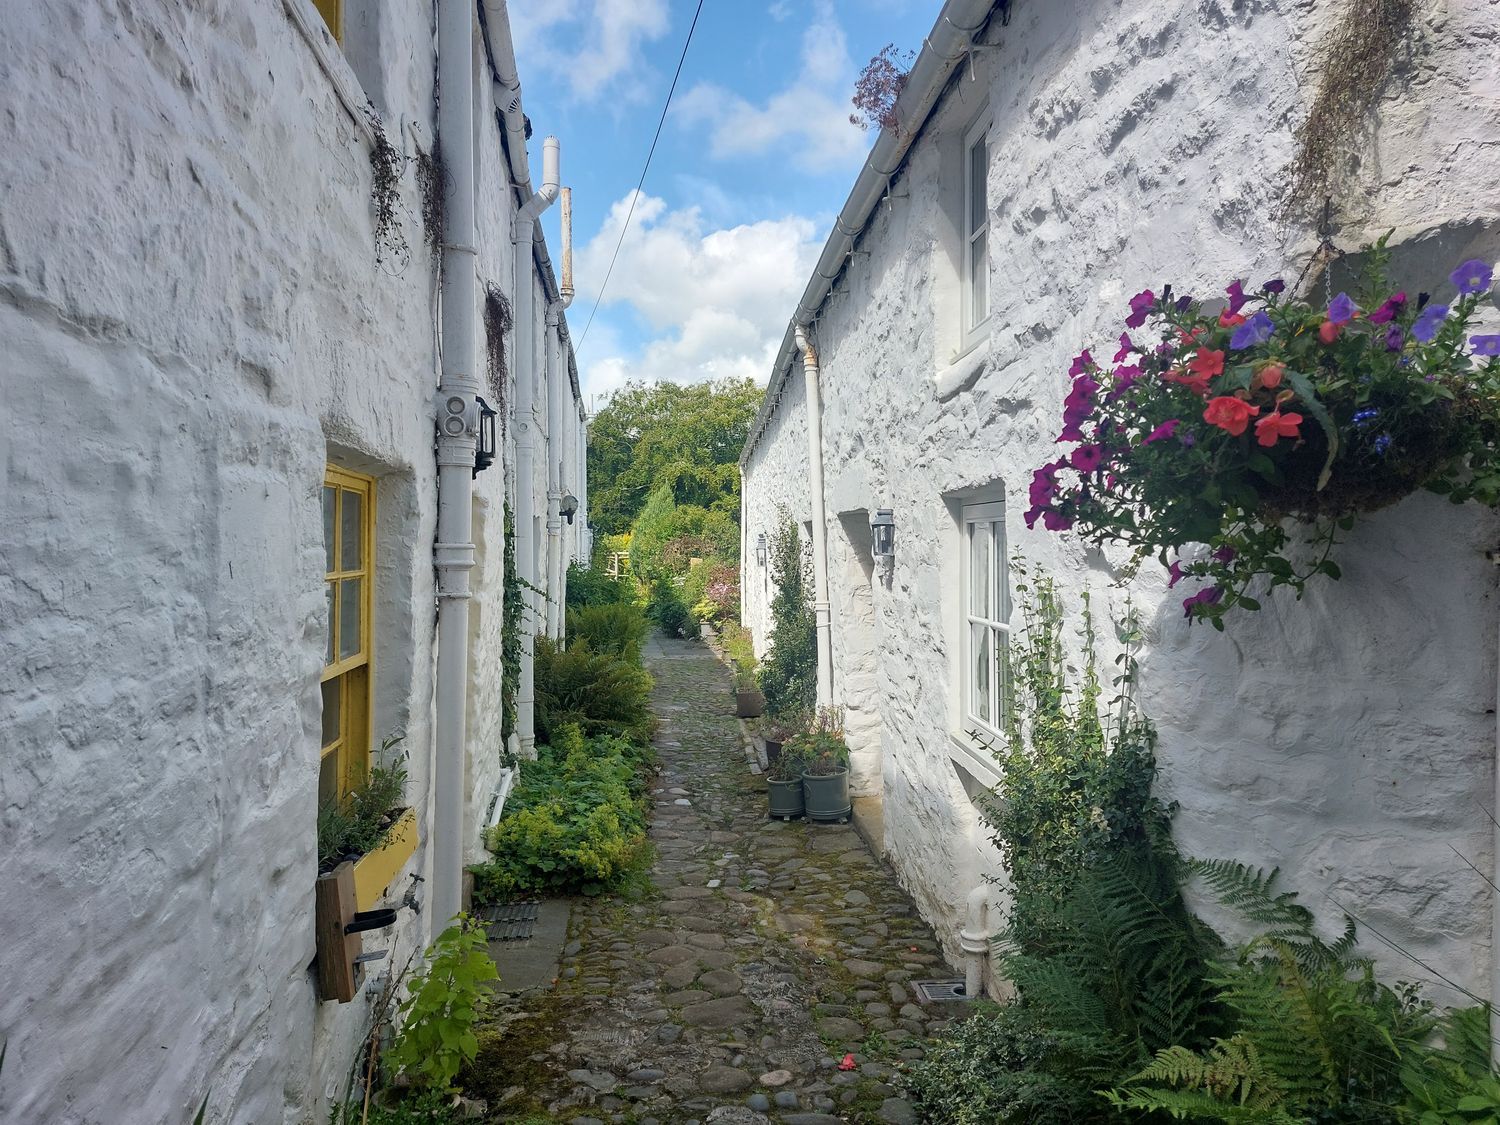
(760, 549)
(484, 450)
(883, 534)
(568, 506)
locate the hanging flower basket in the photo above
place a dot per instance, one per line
(1215, 441)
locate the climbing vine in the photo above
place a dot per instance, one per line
(510, 632)
(386, 166)
(431, 182)
(497, 322)
(1356, 62)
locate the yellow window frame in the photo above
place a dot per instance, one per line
(332, 12)
(344, 759)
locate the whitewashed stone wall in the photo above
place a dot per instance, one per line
(193, 324)
(1348, 738)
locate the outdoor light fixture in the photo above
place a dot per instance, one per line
(760, 549)
(568, 506)
(883, 534)
(484, 450)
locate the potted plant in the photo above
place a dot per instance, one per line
(825, 768)
(371, 826)
(784, 784)
(781, 729)
(1216, 438)
(749, 702)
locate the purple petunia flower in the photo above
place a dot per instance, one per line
(1472, 276)
(1237, 296)
(1126, 347)
(1140, 306)
(1382, 443)
(1485, 345)
(1389, 309)
(1087, 458)
(1165, 430)
(1394, 338)
(1427, 325)
(1125, 378)
(1273, 287)
(1081, 363)
(1209, 595)
(1187, 439)
(1175, 570)
(1225, 555)
(1256, 330)
(1184, 303)
(1055, 521)
(1341, 309)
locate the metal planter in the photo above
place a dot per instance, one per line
(826, 797)
(785, 798)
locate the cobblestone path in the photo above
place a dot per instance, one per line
(731, 991)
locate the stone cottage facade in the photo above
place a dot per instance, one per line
(225, 330)
(1048, 161)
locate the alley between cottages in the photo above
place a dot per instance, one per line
(731, 989)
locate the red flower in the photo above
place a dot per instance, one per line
(1329, 332)
(1231, 415)
(1275, 426)
(1207, 363)
(1229, 319)
(1198, 384)
(1268, 377)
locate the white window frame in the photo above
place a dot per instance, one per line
(970, 232)
(984, 519)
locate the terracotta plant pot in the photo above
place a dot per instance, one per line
(749, 704)
(826, 797)
(786, 798)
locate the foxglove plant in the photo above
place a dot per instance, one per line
(1208, 435)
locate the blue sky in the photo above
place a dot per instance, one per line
(756, 157)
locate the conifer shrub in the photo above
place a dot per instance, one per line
(789, 673)
(615, 629)
(599, 692)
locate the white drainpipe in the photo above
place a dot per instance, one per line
(526, 366)
(974, 940)
(457, 428)
(821, 608)
(557, 374)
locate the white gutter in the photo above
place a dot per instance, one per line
(821, 608)
(948, 45)
(557, 428)
(457, 429)
(523, 237)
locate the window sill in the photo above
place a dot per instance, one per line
(963, 372)
(325, 49)
(974, 761)
(375, 871)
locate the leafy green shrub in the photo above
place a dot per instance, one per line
(667, 534)
(424, 1107)
(616, 629)
(738, 646)
(600, 692)
(1455, 1084)
(590, 587)
(436, 1036)
(667, 609)
(822, 749)
(356, 824)
(575, 822)
(991, 1068)
(789, 673)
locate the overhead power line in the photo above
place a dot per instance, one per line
(636, 195)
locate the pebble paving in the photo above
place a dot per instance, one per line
(732, 990)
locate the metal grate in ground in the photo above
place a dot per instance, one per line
(512, 922)
(940, 991)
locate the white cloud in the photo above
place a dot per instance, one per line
(809, 118)
(717, 301)
(593, 46)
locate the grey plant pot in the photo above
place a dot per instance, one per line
(786, 798)
(749, 704)
(826, 797)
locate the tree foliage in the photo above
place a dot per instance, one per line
(686, 437)
(789, 674)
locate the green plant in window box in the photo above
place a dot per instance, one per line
(357, 823)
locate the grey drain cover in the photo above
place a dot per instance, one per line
(940, 991)
(511, 922)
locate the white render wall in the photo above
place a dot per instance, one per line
(1348, 738)
(193, 324)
